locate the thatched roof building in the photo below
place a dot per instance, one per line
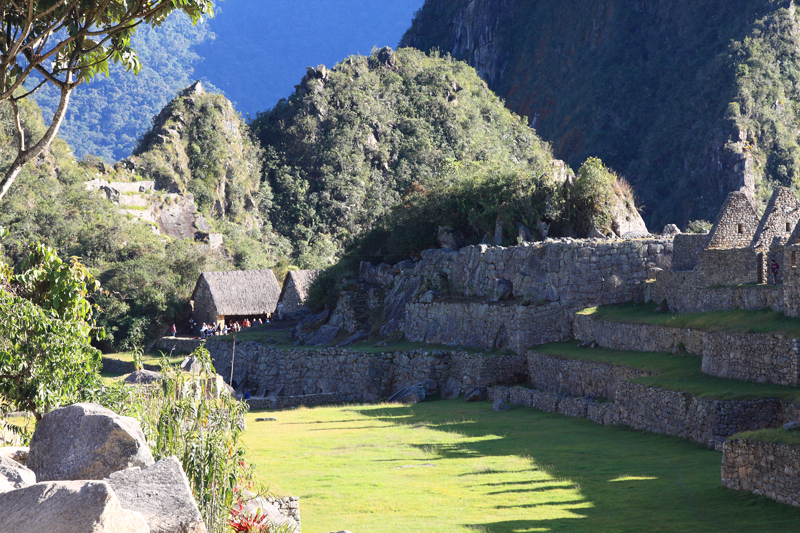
(225, 296)
(295, 289)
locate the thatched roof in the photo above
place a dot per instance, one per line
(242, 292)
(298, 281)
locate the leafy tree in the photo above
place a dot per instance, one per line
(47, 323)
(593, 196)
(68, 42)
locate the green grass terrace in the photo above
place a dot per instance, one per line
(677, 372)
(758, 321)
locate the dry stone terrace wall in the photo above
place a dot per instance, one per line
(545, 283)
(572, 272)
(768, 469)
(686, 250)
(685, 293)
(572, 377)
(487, 325)
(765, 358)
(355, 376)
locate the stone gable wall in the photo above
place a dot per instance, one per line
(765, 358)
(204, 308)
(736, 224)
(779, 220)
(354, 376)
(764, 468)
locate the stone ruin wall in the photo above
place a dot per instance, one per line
(684, 294)
(355, 376)
(572, 388)
(520, 296)
(763, 358)
(767, 469)
(686, 249)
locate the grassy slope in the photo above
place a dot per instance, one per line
(513, 471)
(759, 321)
(675, 372)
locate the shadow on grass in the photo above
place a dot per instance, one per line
(627, 481)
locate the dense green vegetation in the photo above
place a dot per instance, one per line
(364, 468)
(672, 96)
(356, 140)
(759, 321)
(677, 372)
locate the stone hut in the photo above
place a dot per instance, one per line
(775, 229)
(295, 289)
(224, 296)
(736, 224)
(728, 258)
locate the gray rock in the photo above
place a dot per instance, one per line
(355, 337)
(427, 297)
(502, 289)
(380, 344)
(161, 494)
(86, 441)
(143, 377)
(191, 364)
(446, 237)
(451, 389)
(324, 335)
(595, 234)
(670, 229)
(499, 405)
(13, 475)
(792, 426)
(543, 227)
(266, 419)
(255, 504)
(413, 394)
(498, 232)
(16, 453)
(525, 234)
(475, 395)
(67, 507)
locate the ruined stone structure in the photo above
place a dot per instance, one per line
(739, 250)
(223, 296)
(515, 297)
(295, 289)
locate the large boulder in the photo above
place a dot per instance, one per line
(67, 507)
(86, 441)
(451, 389)
(324, 335)
(143, 377)
(413, 394)
(13, 475)
(260, 505)
(161, 494)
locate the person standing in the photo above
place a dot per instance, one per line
(774, 268)
(280, 311)
(174, 330)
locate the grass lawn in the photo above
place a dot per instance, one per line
(148, 358)
(365, 469)
(679, 372)
(759, 321)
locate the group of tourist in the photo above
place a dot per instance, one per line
(234, 326)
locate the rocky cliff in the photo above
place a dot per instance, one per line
(687, 99)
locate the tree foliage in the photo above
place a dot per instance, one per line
(68, 42)
(45, 356)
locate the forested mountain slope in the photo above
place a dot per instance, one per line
(686, 99)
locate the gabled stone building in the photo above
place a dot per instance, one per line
(224, 296)
(774, 230)
(295, 289)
